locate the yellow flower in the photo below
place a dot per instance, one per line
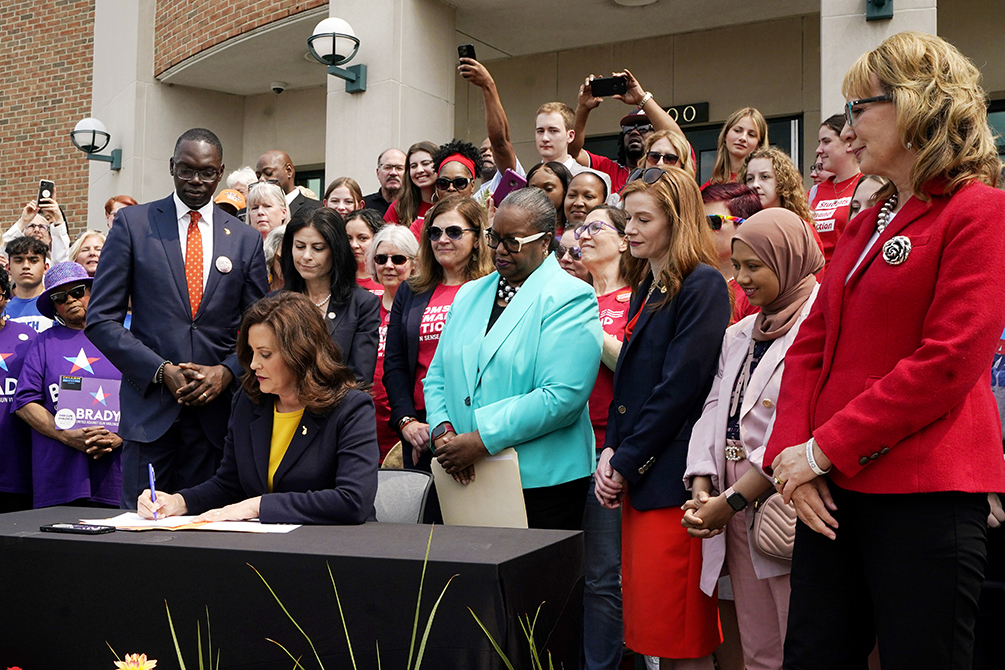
(136, 662)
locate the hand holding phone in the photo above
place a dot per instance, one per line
(607, 86)
(45, 190)
(466, 51)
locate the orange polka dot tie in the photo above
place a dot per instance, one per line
(193, 262)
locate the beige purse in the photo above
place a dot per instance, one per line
(774, 527)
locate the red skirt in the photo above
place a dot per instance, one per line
(665, 612)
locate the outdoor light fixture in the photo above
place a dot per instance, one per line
(334, 43)
(90, 136)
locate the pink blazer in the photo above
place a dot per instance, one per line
(706, 455)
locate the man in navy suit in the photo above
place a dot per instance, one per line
(190, 270)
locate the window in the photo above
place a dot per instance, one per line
(312, 179)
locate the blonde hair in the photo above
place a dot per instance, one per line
(679, 144)
(79, 242)
(560, 108)
(691, 240)
(789, 183)
(720, 173)
(272, 194)
(941, 109)
(427, 271)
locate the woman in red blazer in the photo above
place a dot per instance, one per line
(887, 436)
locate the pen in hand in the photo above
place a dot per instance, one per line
(153, 488)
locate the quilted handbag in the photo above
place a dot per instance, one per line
(774, 527)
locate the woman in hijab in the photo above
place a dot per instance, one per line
(775, 258)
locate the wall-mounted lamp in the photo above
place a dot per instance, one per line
(332, 40)
(878, 10)
(90, 136)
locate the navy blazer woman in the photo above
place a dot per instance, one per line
(401, 354)
(353, 328)
(663, 375)
(327, 476)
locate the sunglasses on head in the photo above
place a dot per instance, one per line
(459, 183)
(397, 259)
(453, 232)
(77, 292)
(575, 252)
(654, 158)
(649, 175)
(715, 221)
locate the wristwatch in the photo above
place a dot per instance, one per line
(735, 499)
(440, 430)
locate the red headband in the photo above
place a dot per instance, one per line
(463, 160)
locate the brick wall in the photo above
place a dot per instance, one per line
(184, 29)
(45, 88)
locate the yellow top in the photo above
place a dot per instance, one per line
(284, 425)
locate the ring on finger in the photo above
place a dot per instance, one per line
(778, 482)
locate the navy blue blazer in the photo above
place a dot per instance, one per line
(327, 476)
(354, 328)
(663, 375)
(143, 261)
(401, 351)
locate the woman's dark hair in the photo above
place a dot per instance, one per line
(322, 380)
(740, 199)
(461, 147)
(564, 176)
(370, 217)
(410, 198)
(427, 273)
(4, 284)
(331, 227)
(632, 270)
(835, 123)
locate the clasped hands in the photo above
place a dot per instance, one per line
(608, 483)
(809, 493)
(459, 453)
(196, 385)
(95, 441)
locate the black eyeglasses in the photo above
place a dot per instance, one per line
(654, 158)
(715, 221)
(452, 232)
(850, 112)
(575, 252)
(77, 292)
(40, 226)
(649, 175)
(188, 174)
(459, 183)
(397, 259)
(514, 245)
(643, 128)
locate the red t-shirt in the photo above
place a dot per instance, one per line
(371, 286)
(386, 438)
(830, 211)
(391, 216)
(613, 317)
(741, 306)
(433, 318)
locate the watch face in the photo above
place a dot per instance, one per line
(737, 501)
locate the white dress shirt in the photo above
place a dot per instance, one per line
(205, 227)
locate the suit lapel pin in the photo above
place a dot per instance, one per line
(331, 316)
(304, 431)
(226, 231)
(896, 250)
(223, 264)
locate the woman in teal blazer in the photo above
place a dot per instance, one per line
(516, 362)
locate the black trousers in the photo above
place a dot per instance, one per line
(906, 569)
(182, 457)
(559, 507)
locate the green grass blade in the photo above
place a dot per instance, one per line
(341, 616)
(429, 624)
(198, 643)
(217, 659)
(296, 661)
(378, 653)
(286, 612)
(492, 640)
(418, 601)
(177, 648)
(209, 642)
(113, 651)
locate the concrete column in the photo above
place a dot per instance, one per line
(845, 35)
(410, 50)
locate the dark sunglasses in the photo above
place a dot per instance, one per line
(453, 232)
(397, 259)
(575, 252)
(643, 128)
(459, 183)
(715, 221)
(649, 175)
(77, 292)
(654, 158)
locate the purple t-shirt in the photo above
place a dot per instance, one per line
(61, 474)
(15, 438)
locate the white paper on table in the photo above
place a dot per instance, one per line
(133, 521)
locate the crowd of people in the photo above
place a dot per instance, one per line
(683, 370)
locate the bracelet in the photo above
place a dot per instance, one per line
(812, 442)
(405, 421)
(646, 98)
(159, 377)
